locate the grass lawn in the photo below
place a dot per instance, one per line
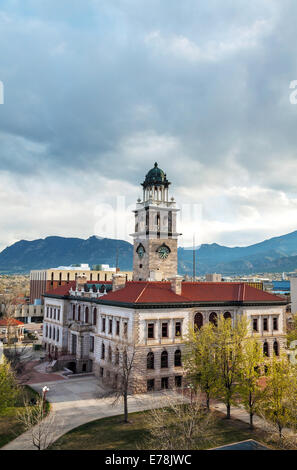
(10, 428)
(112, 434)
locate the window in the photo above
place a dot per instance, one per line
(276, 348)
(109, 354)
(103, 325)
(73, 312)
(78, 314)
(110, 327)
(150, 385)
(54, 333)
(117, 327)
(92, 343)
(58, 334)
(164, 359)
(164, 382)
(266, 349)
(95, 316)
(46, 331)
(150, 360)
(68, 277)
(265, 324)
(50, 332)
(178, 381)
(55, 313)
(275, 323)
(198, 321)
(125, 329)
(58, 314)
(150, 330)
(255, 324)
(47, 311)
(117, 357)
(213, 318)
(87, 315)
(101, 371)
(178, 328)
(60, 279)
(177, 358)
(165, 330)
(103, 351)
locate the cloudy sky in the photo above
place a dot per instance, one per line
(96, 91)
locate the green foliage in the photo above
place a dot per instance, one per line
(280, 403)
(250, 389)
(199, 360)
(292, 333)
(8, 386)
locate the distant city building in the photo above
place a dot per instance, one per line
(293, 281)
(213, 277)
(45, 279)
(87, 321)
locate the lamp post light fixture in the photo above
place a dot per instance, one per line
(191, 388)
(45, 389)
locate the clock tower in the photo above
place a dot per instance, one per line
(155, 236)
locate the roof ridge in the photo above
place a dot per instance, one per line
(137, 298)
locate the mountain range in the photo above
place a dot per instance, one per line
(277, 254)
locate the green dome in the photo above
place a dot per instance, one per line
(155, 176)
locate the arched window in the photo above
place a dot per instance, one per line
(164, 359)
(95, 316)
(150, 360)
(177, 358)
(276, 347)
(266, 349)
(87, 315)
(198, 321)
(78, 314)
(73, 312)
(103, 351)
(213, 318)
(227, 315)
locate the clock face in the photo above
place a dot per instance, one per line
(140, 251)
(163, 252)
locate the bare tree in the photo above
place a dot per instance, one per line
(19, 357)
(8, 306)
(175, 426)
(41, 428)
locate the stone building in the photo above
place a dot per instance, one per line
(89, 326)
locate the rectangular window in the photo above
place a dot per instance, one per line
(103, 325)
(92, 343)
(150, 385)
(110, 327)
(125, 329)
(164, 382)
(265, 324)
(101, 371)
(178, 381)
(118, 328)
(165, 330)
(150, 330)
(255, 324)
(178, 328)
(275, 323)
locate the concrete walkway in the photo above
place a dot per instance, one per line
(79, 401)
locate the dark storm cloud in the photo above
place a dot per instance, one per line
(108, 87)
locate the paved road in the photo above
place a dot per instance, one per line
(78, 401)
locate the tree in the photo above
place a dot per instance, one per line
(228, 356)
(42, 429)
(200, 361)
(19, 357)
(179, 426)
(125, 361)
(250, 389)
(279, 406)
(8, 305)
(8, 386)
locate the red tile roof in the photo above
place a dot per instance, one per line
(141, 292)
(160, 292)
(10, 322)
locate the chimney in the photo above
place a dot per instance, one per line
(118, 281)
(176, 284)
(81, 280)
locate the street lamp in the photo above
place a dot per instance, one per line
(44, 390)
(191, 388)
